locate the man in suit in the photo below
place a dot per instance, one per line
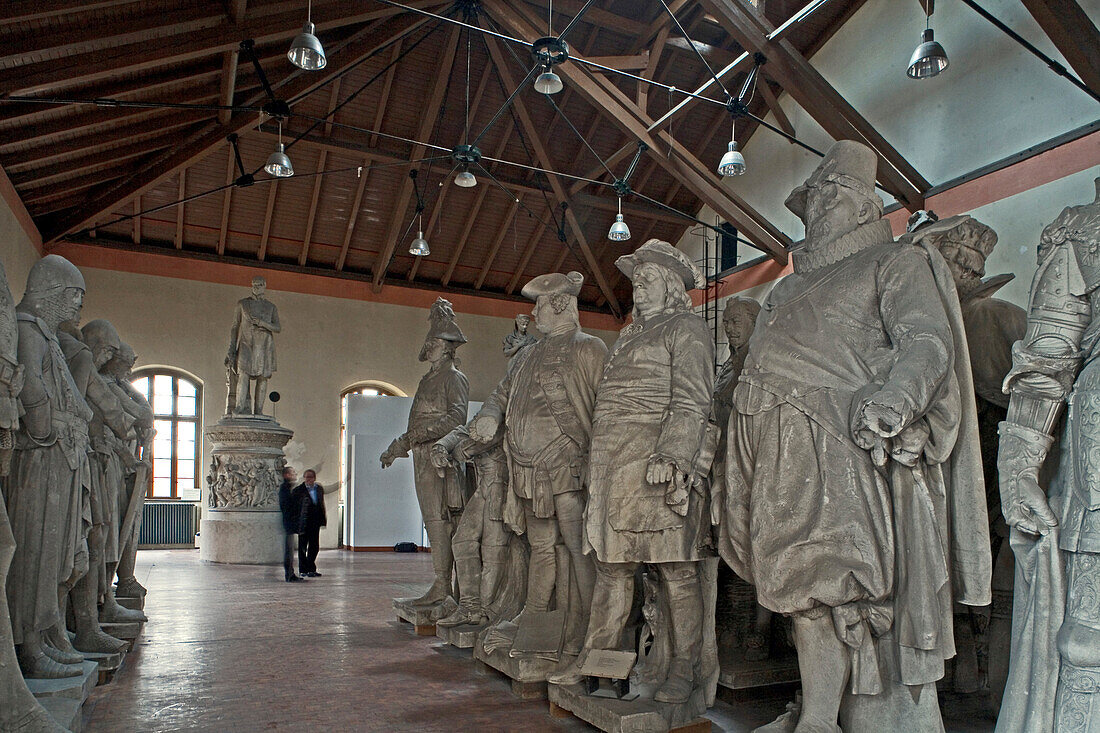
(293, 507)
(313, 499)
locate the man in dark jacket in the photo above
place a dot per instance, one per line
(293, 507)
(313, 503)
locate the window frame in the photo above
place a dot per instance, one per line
(174, 418)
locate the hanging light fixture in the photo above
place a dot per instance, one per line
(733, 162)
(548, 82)
(278, 163)
(465, 178)
(306, 52)
(929, 59)
(619, 231)
(419, 246)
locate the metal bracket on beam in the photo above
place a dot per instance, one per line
(246, 179)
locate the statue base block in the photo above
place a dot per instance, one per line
(527, 672)
(65, 711)
(132, 603)
(74, 688)
(738, 673)
(423, 618)
(242, 537)
(463, 636)
(639, 715)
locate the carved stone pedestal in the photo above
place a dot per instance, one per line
(631, 716)
(423, 618)
(242, 523)
(461, 637)
(527, 672)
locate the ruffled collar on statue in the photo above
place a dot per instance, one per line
(809, 257)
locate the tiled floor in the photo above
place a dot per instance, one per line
(233, 648)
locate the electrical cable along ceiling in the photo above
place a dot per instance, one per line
(181, 137)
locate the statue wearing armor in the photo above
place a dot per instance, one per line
(1054, 682)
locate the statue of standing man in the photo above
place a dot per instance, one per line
(251, 357)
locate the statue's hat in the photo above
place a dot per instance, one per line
(848, 164)
(983, 244)
(554, 283)
(665, 255)
(441, 322)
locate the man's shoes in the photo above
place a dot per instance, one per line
(313, 574)
(295, 579)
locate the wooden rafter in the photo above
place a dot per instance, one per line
(427, 123)
(1074, 34)
(357, 47)
(227, 202)
(546, 161)
(89, 164)
(651, 68)
(810, 89)
(311, 217)
(772, 101)
(272, 192)
(387, 87)
(672, 155)
(494, 248)
(529, 250)
(137, 220)
(353, 216)
(178, 240)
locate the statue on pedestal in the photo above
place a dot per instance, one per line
(982, 635)
(44, 492)
(645, 505)
(251, 357)
(1054, 677)
(440, 405)
(854, 499)
(483, 544)
(545, 403)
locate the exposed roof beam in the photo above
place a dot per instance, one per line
(593, 16)
(1071, 30)
(631, 62)
(772, 101)
(137, 220)
(672, 155)
(651, 67)
(387, 86)
(45, 175)
(311, 218)
(547, 162)
(228, 84)
(28, 11)
(810, 89)
(227, 202)
(353, 216)
(178, 240)
(529, 250)
(494, 248)
(199, 145)
(28, 158)
(272, 192)
(427, 123)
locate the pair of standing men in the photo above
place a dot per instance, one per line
(303, 509)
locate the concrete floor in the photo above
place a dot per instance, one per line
(234, 648)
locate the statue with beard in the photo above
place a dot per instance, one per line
(250, 360)
(854, 498)
(440, 405)
(43, 495)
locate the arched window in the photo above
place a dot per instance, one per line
(176, 399)
(369, 387)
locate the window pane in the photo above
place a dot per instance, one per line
(187, 491)
(162, 468)
(162, 404)
(185, 406)
(186, 389)
(185, 469)
(162, 443)
(185, 432)
(141, 385)
(162, 487)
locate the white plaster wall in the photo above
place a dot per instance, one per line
(994, 100)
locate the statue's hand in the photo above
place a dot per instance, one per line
(1027, 508)
(483, 428)
(659, 470)
(1020, 454)
(230, 360)
(880, 418)
(440, 457)
(679, 489)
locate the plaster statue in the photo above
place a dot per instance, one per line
(545, 402)
(483, 544)
(992, 326)
(44, 492)
(440, 405)
(102, 533)
(19, 711)
(251, 357)
(1054, 678)
(118, 372)
(854, 498)
(644, 505)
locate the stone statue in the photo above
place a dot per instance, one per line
(19, 711)
(118, 372)
(440, 405)
(1054, 678)
(483, 544)
(102, 534)
(642, 505)
(251, 357)
(545, 402)
(982, 635)
(854, 498)
(43, 494)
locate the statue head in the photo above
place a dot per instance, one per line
(555, 296)
(519, 337)
(661, 276)
(55, 291)
(522, 322)
(444, 335)
(739, 320)
(839, 196)
(964, 242)
(259, 286)
(102, 338)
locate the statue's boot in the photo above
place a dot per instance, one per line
(439, 536)
(492, 584)
(680, 582)
(568, 673)
(469, 609)
(37, 666)
(57, 646)
(90, 638)
(129, 587)
(678, 685)
(113, 613)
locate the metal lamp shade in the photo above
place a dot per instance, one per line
(306, 52)
(929, 59)
(465, 179)
(278, 163)
(732, 163)
(548, 83)
(619, 232)
(419, 246)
